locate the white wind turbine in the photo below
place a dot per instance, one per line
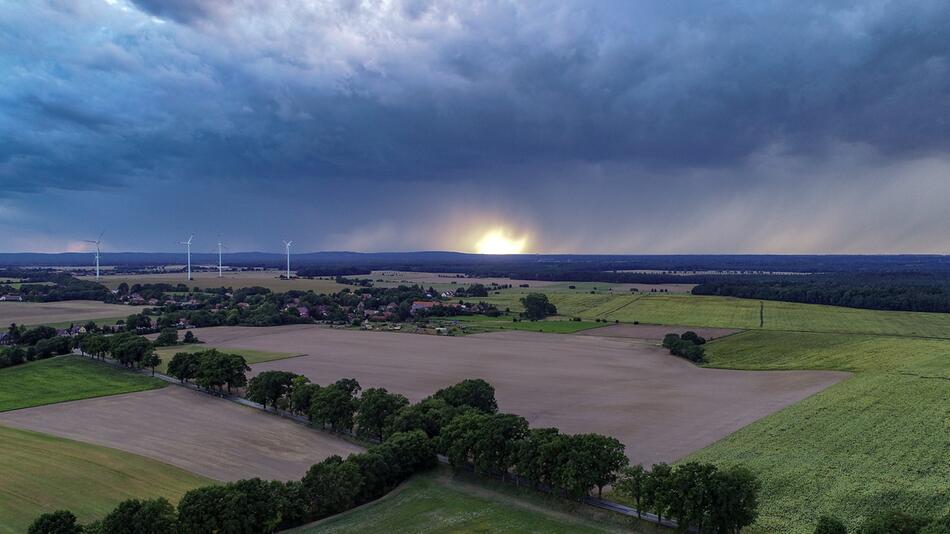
(97, 242)
(287, 244)
(188, 245)
(220, 246)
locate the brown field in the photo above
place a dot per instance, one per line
(194, 431)
(235, 280)
(58, 312)
(662, 407)
(653, 332)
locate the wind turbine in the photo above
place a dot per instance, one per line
(287, 244)
(220, 246)
(188, 245)
(96, 242)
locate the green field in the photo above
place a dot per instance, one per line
(727, 312)
(65, 378)
(42, 473)
(434, 503)
(879, 440)
(250, 355)
(474, 324)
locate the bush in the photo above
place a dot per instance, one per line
(892, 522)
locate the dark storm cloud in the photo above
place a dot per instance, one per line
(113, 95)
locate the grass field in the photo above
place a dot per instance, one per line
(235, 280)
(250, 355)
(481, 323)
(65, 378)
(434, 503)
(878, 440)
(746, 314)
(42, 473)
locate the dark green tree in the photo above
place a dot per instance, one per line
(184, 366)
(473, 392)
(167, 337)
(335, 406)
(537, 306)
(270, 387)
(631, 483)
(735, 499)
(333, 486)
(58, 522)
(377, 408)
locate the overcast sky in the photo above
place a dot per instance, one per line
(587, 126)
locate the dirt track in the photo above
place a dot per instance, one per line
(660, 406)
(194, 431)
(653, 332)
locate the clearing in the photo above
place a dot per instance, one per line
(43, 473)
(66, 378)
(662, 407)
(435, 502)
(235, 280)
(879, 440)
(77, 311)
(205, 435)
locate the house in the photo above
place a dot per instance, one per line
(4, 338)
(420, 305)
(11, 298)
(303, 311)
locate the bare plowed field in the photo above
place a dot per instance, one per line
(79, 311)
(662, 407)
(653, 332)
(194, 431)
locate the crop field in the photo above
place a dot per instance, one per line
(632, 390)
(194, 431)
(744, 314)
(433, 504)
(236, 280)
(65, 378)
(474, 324)
(43, 473)
(876, 441)
(251, 356)
(77, 311)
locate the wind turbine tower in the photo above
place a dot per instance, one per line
(287, 244)
(188, 246)
(96, 242)
(219, 257)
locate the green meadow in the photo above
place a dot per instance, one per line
(43, 473)
(728, 312)
(878, 440)
(66, 378)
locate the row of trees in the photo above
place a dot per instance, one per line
(257, 506)
(125, 347)
(696, 495)
(688, 346)
(210, 369)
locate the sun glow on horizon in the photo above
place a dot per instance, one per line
(498, 241)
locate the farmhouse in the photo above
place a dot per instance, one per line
(420, 305)
(11, 298)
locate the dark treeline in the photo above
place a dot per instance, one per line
(878, 291)
(49, 286)
(332, 270)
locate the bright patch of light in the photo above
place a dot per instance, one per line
(498, 241)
